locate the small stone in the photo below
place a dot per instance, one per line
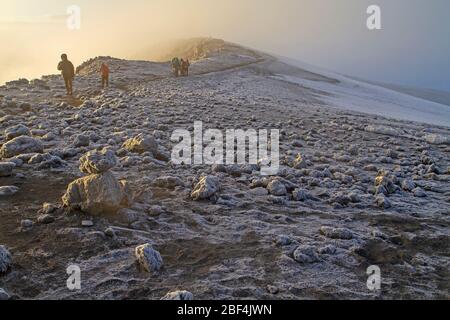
(299, 162)
(259, 191)
(4, 295)
(6, 168)
(300, 195)
(95, 162)
(45, 219)
(205, 188)
(305, 254)
(141, 143)
(336, 233)
(329, 249)
(8, 190)
(148, 258)
(179, 295)
(383, 179)
(48, 208)
(383, 202)
(276, 188)
(26, 224)
(5, 259)
(283, 240)
(168, 182)
(272, 289)
(87, 223)
(81, 140)
(109, 232)
(408, 185)
(419, 193)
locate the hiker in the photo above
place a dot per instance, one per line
(104, 70)
(182, 67)
(68, 73)
(176, 66)
(186, 67)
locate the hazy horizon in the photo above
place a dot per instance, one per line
(412, 48)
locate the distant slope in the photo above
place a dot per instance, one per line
(193, 49)
(442, 97)
(362, 96)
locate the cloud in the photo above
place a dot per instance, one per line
(33, 20)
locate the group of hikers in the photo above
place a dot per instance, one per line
(68, 72)
(180, 68)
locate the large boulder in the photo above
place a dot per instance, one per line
(21, 145)
(5, 259)
(141, 143)
(16, 131)
(97, 194)
(205, 188)
(95, 162)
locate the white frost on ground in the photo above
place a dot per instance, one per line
(363, 97)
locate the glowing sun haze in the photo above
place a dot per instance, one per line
(412, 48)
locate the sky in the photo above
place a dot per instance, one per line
(412, 48)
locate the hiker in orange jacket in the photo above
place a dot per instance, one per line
(104, 70)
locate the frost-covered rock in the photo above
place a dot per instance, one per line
(6, 168)
(4, 295)
(45, 219)
(8, 190)
(408, 185)
(336, 233)
(383, 130)
(168, 182)
(300, 195)
(206, 188)
(305, 254)
(300, 162)
(419, 193)
(178, 295)
(437, 139)
(141, 143)
(95, 162)
(26, 224)
(16, 131)
(97, 194)
(383, 202)
(5, 259)
(21, 145)
(81, 140)
(148, 258)
(276, 188)
(387, 181)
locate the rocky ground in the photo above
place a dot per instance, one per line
(353, 190)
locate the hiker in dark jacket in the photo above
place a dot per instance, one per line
(68, 72)
(176, 66)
